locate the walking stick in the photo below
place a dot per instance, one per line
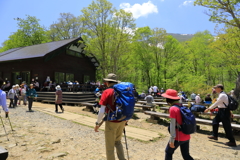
(12, 130)
(4, 127)
(124, 131)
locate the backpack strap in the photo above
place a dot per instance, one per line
(178, 126)
(228, 101)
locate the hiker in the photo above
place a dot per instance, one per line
(198, 99)
(155, 90)
(149, 98)
(96, 105)
(142, 95)
(3, 99)
(58, 99)
(31, 93)
(232, 92)
(177, 138)
(113, 129)
(11, 95)
(16, 97)
(150, 90)
(193, 96)
(223, 115)
(208, 99)
(22, 95)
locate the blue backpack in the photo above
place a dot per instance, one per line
(125, 102)
(188, 120)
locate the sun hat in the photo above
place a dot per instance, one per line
(171, 94)
(58, 87)
(219, 86)
(111, 77)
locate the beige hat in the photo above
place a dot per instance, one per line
(219, 86)
(111, 77)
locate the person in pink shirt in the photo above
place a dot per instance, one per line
(177, 138)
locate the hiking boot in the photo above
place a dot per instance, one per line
(212, 137)
(231, 144)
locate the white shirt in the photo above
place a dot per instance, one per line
(155, 88)
(150, 90)
(219, 103)
(198, 99)
(3, 101)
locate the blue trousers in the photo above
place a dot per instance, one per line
(184, 147)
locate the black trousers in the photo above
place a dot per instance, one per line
(11, 104)
(56, 107)
(184, 147)
(15, 100)
(30, 102)
(223, 116)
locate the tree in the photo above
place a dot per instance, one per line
(68, 26)
(107, 33)
(222, 11)
(29, 33)
(143, 56)
(157, 42)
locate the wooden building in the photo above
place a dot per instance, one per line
(62, 61)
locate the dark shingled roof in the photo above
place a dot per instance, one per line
(34, 51)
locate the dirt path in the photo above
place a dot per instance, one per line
(42, 136)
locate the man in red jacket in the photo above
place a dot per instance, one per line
(113, 129)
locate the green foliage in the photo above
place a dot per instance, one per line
(222, 11)
(146, 56)
(29, 33)
(67, 27)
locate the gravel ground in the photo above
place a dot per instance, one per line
(42, 136)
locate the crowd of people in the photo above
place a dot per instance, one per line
(22, 93)
(113, 129)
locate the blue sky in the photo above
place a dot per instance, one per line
(176, 16)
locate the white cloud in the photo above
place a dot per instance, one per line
(186, 3)
(139, 10)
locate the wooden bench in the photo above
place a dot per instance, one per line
(89, 106)
(63, 102)
(158, 103)
(156, 115)
(144, 107)
(235, 116)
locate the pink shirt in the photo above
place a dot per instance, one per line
(176, 114)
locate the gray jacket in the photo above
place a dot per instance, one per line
(11, 93)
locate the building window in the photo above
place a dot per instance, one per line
(16, 78)
(69, 77)
(26, 77)
(59, 77)
(86, 78)
(74, 53)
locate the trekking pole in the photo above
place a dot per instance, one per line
(126, 142)
(12, 130)
(4, 127)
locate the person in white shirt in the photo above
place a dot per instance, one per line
(155, 90)
(232, 92)
(3, 101)
(198, 99)
(150, 90)
(223, 115)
